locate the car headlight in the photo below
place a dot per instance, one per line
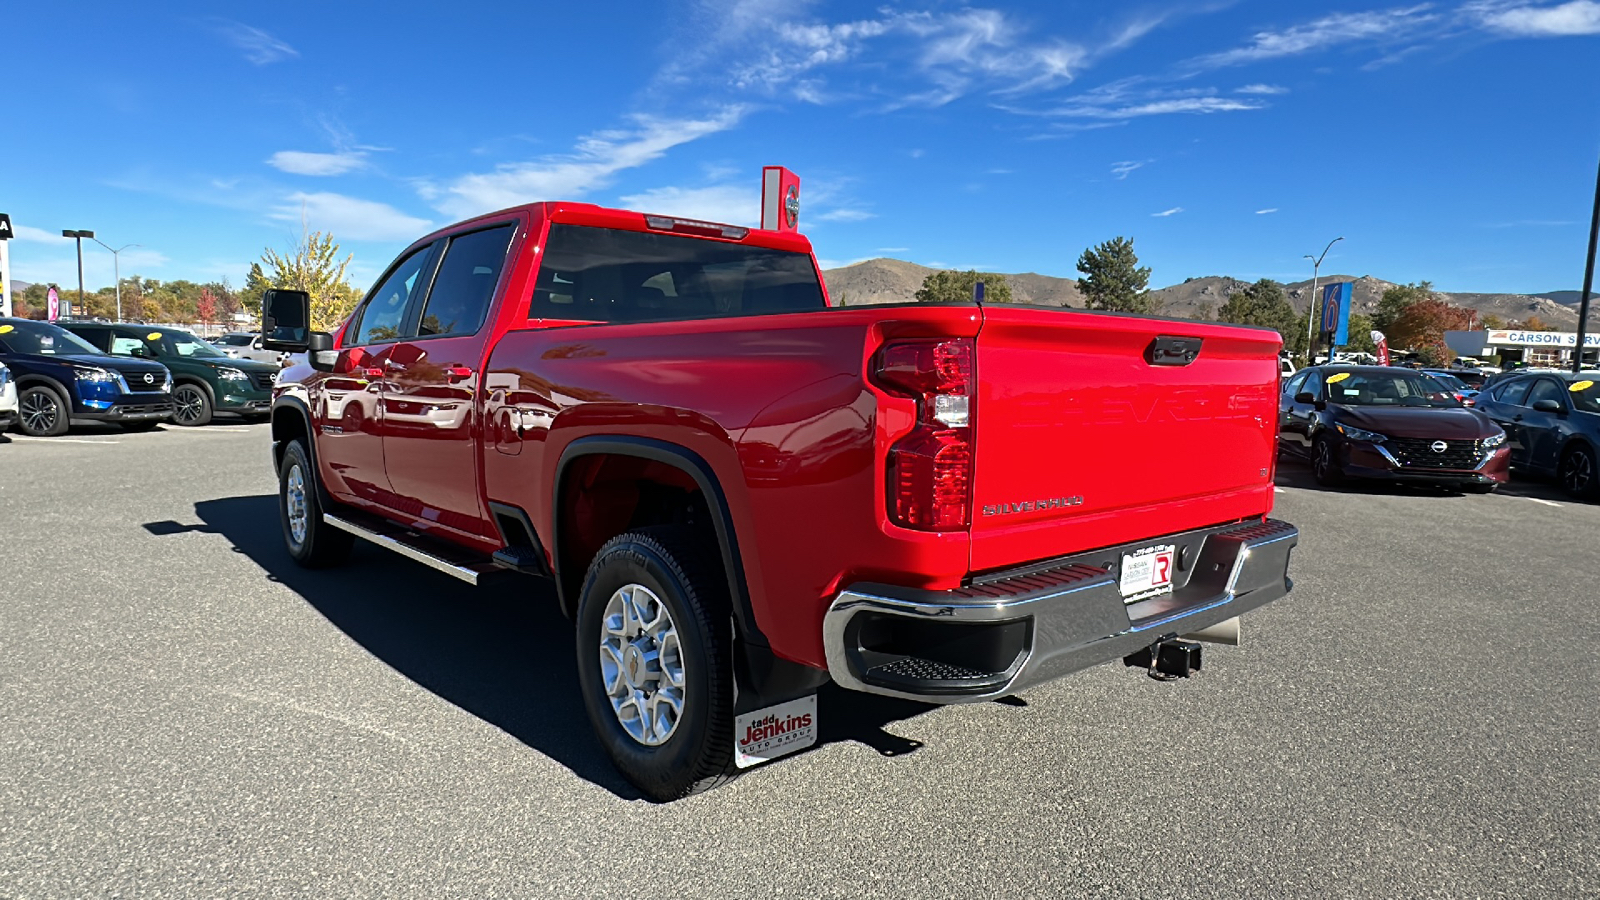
(1495, 441)
(1361, 434)
(5, 376)
(88, 374)
(232, 374)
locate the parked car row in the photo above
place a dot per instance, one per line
(135, 375)
(1381, 423)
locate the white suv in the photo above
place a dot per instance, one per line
(247, 345)
(8, 398)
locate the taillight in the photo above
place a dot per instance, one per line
(930, 469)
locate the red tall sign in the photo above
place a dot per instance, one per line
(780, 199)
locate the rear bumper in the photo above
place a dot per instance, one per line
(1021, 628)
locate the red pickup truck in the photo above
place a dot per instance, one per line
(741, 491)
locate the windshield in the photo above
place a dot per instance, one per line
(1388, 389)
(233, 340)
(1450, 382)
(43, 339)
(165, 344)
(1585, 395)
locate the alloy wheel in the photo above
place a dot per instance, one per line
(187, 405)
(295, 505)
(40, 412)
(642, 665)
(1577, 474)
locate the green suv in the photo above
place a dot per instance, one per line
(204, 379)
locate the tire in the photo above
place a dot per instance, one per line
(141, 426)
(191, 405)
(318, 545)
(43, 411)
(1579, 477)
(667, 756)
(1323, 465)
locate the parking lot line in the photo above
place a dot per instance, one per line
(1545, 502)
(59, 440)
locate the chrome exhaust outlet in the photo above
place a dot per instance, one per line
(1220, 633)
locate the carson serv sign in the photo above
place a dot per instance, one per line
(1540, 339)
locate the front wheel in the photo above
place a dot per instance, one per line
(1578, 476)
(191, 405)
(1323, 464)
(654, 661)
(312, 542)
(42, 412)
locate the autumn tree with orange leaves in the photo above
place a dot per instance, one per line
(1421, 327)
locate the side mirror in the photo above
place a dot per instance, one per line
(1305, 397)
(141, 352)
(286, 320)
(1547, 406)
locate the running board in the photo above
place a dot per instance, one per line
(406, 543)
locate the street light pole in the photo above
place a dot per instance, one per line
(116, 268)
(78, 236)
(1588, 280)
(1311, 313)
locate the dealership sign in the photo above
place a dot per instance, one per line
(1540, 339)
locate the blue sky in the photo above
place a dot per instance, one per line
(1452, 141)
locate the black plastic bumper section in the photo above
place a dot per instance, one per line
(1009, 630)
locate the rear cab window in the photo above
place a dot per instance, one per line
(593, 274)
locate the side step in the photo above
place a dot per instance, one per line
(412, 545)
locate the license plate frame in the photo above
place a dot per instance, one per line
(1147, 572)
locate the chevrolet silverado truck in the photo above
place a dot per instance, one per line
(741, 492)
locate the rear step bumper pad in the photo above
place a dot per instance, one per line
(1074, 612)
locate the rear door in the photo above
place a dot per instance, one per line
(432, 376)
(1506, 408)
(1095, 429)
(1543, 432)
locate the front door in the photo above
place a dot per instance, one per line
(350, 409)
(1542, 431)
(432, 380)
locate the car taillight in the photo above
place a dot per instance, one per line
(930, 469)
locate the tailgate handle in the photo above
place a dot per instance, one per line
(1172, 351)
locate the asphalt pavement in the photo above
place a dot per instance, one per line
(183, 713)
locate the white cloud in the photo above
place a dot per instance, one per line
(1127, 167)
(893, 250)
(38, 235)
(590, 166)
(1169, 212)
(298, 162)
(726, 204)
(1195, 105)
(1577, 17)
(1261, 90)
(349, 218)
(1384, 25)
(1266, 212)
(845, 215)
(258, 46)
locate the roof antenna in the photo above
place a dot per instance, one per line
(977, 293)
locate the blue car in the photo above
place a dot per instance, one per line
(61, 377)
(1553, 422)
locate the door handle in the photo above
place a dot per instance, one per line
(457, 374)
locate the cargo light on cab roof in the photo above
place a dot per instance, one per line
(695, 226)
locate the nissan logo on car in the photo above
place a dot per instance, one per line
(149, 379)
(1439, 446)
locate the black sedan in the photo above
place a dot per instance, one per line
(1553, 420)
(1389, 424)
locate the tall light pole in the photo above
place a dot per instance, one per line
(116, 267)
(78, 236)
(1311, 314)
(1588, 280)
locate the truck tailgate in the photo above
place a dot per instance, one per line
(1083, 441)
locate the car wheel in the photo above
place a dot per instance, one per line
(141, 426)
(191, 405)
(313, 543)
(1578, 475)
(1323, 465)
(654, 661)
(42, 411)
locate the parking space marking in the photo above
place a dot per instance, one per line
(1545, 502)
(210, 430)
(59, 440)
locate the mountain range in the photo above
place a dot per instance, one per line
(897, 281)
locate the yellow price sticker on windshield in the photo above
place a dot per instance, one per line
(7, 329)
(1580, 386)
(153, 336)
(1335, 379)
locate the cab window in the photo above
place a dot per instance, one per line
(1295, 383)
(99, 337)
(1514, 393)
(1545, 389)
(466, 282)
(384, 314)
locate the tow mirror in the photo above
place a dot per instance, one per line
(286, 321)
(1547, 406)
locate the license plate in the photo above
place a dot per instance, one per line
(1148, 572)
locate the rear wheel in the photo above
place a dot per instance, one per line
(654, 661)
(312, 542)
(191, 405)
(42, 411)
(1323, 464)
(1578, 476)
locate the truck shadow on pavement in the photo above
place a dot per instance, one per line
(502, 651)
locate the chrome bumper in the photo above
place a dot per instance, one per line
(1015, 630)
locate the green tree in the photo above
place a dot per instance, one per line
(1492, 322)
(1361, 335)
(311, 265)
(1114, 280)
(949, 286)
(1204, 312)
(1397, 300)
(255, 284)
(1265, 304)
